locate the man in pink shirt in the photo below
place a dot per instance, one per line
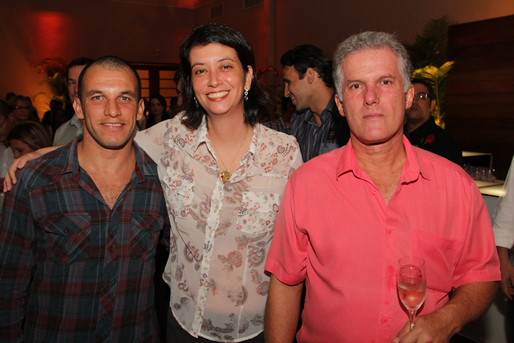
(349, 215)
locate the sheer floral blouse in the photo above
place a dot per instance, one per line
(220, 232)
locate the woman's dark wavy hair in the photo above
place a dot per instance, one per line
(258, 103)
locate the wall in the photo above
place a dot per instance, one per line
(480, 89)
(153, 33)
(31, 30)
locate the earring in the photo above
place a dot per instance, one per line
(245, 96)
(196, 102)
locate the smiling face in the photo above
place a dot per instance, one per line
(374, 101)
(218, 79)
(109, 106)
(22, 110)
(298, 90)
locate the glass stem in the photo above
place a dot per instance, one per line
(412, 318)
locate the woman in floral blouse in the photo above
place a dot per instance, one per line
(223, 176)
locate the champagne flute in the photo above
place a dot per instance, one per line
(412, 284)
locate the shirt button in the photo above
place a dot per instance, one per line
(108, 284)
(389, 275)
(111, 248)
(389, 232)
(66, 231)
(385, 320)
(104, 316)
(374, 192)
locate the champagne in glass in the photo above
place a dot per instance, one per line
(412, 284)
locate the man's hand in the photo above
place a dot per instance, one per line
(433, 328)
(468, 303)
(507, 273)
(19, 163)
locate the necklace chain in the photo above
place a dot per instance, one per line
(226, 174)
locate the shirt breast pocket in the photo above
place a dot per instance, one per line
(258, 212)
(68, 236)
(438, 255)
(144, 234)
(178, 192)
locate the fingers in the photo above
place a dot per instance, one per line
(403, 332)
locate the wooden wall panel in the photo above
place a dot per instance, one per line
(480, 89)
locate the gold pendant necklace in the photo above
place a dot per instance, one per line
(226, 174)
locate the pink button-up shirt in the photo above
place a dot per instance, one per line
(335, 232)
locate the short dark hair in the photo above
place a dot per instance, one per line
(308, 56)
(425, 83)
(258, 102)
(109, 62)
(77, 62)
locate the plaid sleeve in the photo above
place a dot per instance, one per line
(17, 246)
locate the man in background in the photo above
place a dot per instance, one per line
(316, 125)
(73, 127)
(421, 129)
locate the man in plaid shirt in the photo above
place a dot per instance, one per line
(80, 227)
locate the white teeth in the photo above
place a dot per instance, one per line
(112, 124)
(217, 95)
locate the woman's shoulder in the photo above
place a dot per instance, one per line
(277, 136)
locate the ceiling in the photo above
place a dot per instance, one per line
(171, 3)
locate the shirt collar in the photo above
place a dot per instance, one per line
(75, 121)
(201, 136)
(144, 165)
(412, 169)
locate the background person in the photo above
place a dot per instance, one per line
(316, 125)
(421, 129)
(504, 236)
(21, 107)
(157, 111)
(72, 127)
(28, 136)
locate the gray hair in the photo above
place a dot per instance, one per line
(371, 40)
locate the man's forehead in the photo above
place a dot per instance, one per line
(360, 58)
(289, 72)
(74, 72)
(419, 87)
(100, 74)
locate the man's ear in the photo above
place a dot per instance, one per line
(77, 106)
(432, 105)
(409, 97)
(311, 75)
(339, 105)
(140, 109)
